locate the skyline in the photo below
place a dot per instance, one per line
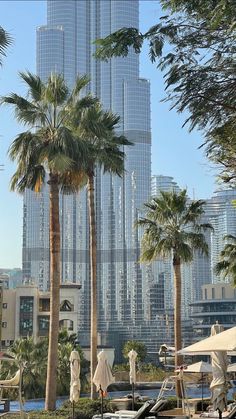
(177, 157)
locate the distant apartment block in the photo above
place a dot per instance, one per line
(25, 311)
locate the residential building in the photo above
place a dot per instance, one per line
(25, 311)
(66, 45)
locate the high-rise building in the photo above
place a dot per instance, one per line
(66, 45)
(221, 213)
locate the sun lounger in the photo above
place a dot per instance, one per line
(229, 414)
(142, 413)
(12, 382)
(154, 410)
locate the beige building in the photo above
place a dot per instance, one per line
(218, 304)
(25, 311)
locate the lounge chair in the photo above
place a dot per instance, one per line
(153, 411)
(229, 414)
(142, 413)
(11, 382)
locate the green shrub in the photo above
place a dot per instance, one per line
(121, 367)
(85, 408)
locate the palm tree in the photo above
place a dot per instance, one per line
(106, 150)
(227, 263)
(33, 357)
(173, 229)
(47, 152)
(5, 41)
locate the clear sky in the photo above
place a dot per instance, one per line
(174, 151)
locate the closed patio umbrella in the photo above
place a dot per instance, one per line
(132, 371)
(74, 379)
(218, 385)
(103, 376)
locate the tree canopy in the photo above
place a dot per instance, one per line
(139, 347)
(194, 44)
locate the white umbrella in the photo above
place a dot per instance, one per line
(224, 341)
(218, 385)
(102, 376)
(74, 378)
(132, 371)
(199, 369)
(202, 367)
(231, 368)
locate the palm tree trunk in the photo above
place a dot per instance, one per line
(93, 268)
(55, 277)
(177, 316)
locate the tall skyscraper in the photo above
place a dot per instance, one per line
(221, 213)
(66, 45)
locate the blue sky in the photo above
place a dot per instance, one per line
(174, 151)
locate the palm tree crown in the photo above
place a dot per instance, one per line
(96, 128)
(227, 262)
(172, 227)
(48, 145)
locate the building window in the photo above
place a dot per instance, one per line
(4, 305)
(26, 316)
(223, 292)
(213, 293)
(66, 306)
(205, 293)
(67, 324)
(43, 325)
(44, 304)
(4, 325)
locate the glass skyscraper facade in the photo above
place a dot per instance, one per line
(66, 45)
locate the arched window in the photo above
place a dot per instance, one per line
(66, 306)
(67, 324)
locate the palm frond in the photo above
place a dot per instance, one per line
(26, 112)
(5, 42)
(111, 159)
(121, 140)
(34, 84)
(227, 263)
(73, 181)
(80, 84)
(70, 144)
(23, 145)
(222, 267)
(55, 91)
(32, 178)
(58, 162)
